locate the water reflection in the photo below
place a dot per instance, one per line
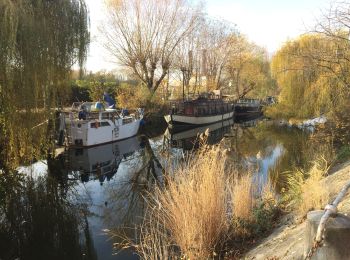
(271, 151)
(38, 223)
(101, 162)
(113, 180)
(188, 139)
(59, 209)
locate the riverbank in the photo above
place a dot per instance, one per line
(287, 240)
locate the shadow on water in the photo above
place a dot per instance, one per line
(60, 209)
(38, 221)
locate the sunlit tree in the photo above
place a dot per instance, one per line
(309, 81)
(143, 35)
(248, 70)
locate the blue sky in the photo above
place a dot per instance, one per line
(268, 23)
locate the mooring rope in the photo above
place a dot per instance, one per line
(330, 210)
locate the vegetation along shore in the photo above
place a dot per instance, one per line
(260, 138)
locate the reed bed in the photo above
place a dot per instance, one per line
(200, 209)
(242, 197)
(193, 205)
(306, 191)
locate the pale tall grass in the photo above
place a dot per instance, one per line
(189, 217)
(242, 197)
(155, 243)
(194, 205)
(306, 190)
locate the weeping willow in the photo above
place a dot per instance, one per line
(40, 41)
(313, 76)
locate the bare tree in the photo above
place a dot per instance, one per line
(217, 43)
(186, 59)
(143, 34)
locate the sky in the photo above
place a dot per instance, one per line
(268, 23)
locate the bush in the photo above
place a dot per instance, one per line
(278, 111)
(132, 97)
(194, 205)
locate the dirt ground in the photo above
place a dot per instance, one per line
(287, 241)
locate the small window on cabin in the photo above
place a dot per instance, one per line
(105, 124)
(127, 120)
(99, 124)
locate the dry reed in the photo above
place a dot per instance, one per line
(194, 205)
(306, 190)
(188, 218)
(242, 197)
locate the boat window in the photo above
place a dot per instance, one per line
(104, 124)
(99, 124)
(127, 120)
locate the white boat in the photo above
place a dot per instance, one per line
(89, 124)
(174, 119)
(201, 111)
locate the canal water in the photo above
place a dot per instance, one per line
(84, 203)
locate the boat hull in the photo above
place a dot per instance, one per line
(189, 139)
(178, 120)
(247, 111)
(82, 134)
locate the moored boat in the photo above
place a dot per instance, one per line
(200, 111)
(189, 139)
(90, 123)
(247, 107)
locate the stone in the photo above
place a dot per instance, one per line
(336, 243)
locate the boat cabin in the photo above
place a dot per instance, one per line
(248, 102)
(201, 107)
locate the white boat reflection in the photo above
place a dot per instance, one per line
(101, 161)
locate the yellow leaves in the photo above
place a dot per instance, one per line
(310, 74)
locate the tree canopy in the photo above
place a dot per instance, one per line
(310, 81)
(40, 40)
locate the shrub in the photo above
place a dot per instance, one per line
(344, 153)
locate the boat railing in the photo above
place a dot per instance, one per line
(89, 116)
(248, 101)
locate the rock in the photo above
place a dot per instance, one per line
(336, 236)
